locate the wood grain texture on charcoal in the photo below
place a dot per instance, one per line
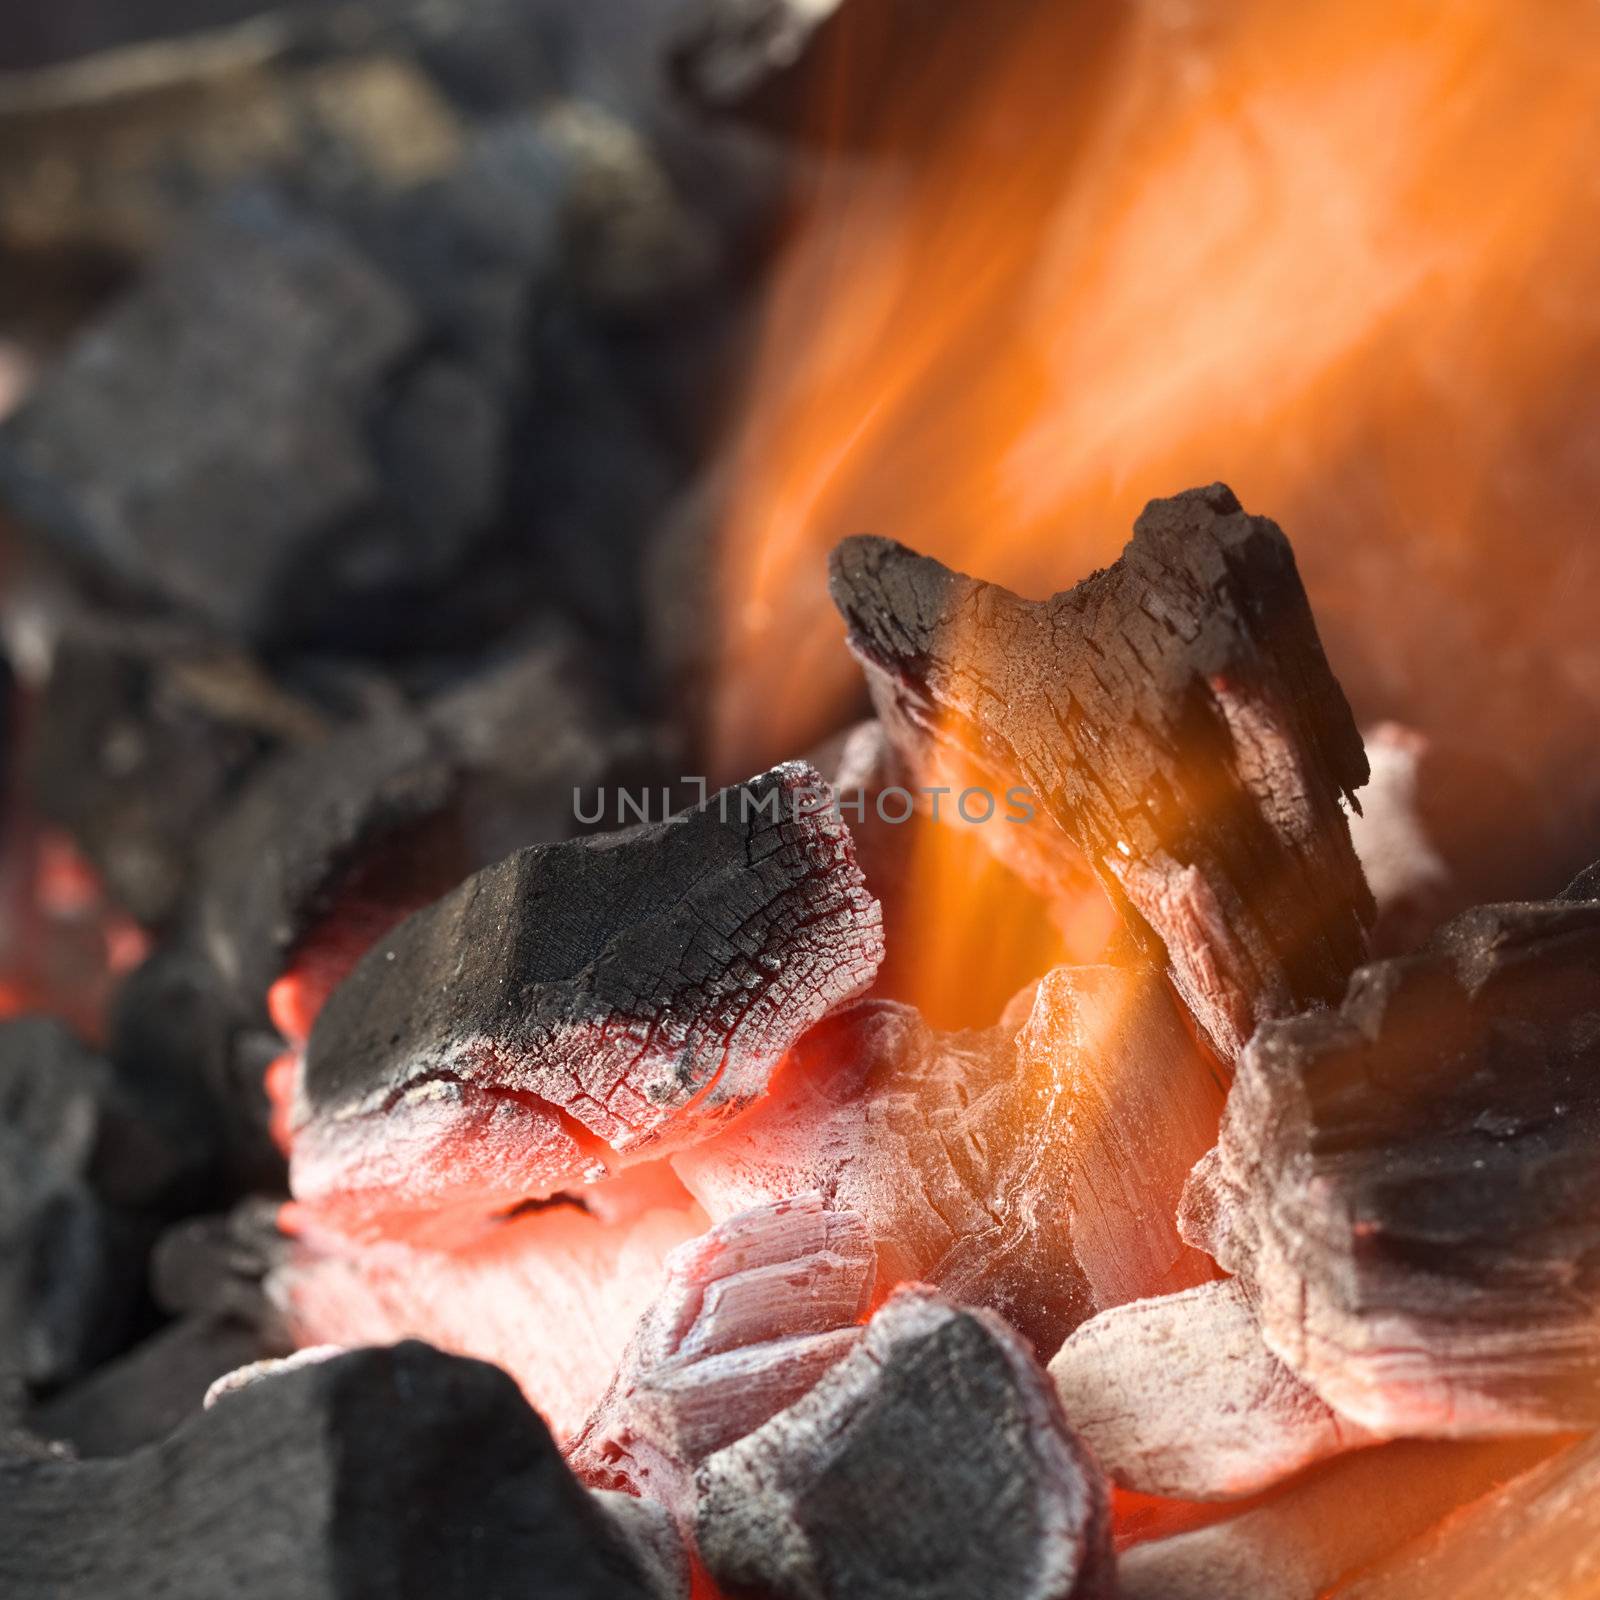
(1409, 1183)
(1179, 727)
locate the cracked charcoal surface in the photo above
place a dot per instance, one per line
(1409, 1184)
(942, 1422)
(1179, 724)
(585, 1001)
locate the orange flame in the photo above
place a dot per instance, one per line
(1343, 256)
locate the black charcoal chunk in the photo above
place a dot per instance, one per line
(1179, 728)
(578, 1004)
(143, 1395)
(142, 735)
(373, 1475)
(933, 1462)
(1409, 1183)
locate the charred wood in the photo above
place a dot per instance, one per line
(1530, 1540)
(942, 1418)
(580, 1005)
(1033, 1168)
(1303, 1541)
(750, 1316)
(1177, 723)
(309, 1483)
(1408, 1184)
(1179, 1396)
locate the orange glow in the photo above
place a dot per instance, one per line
(1345, 257)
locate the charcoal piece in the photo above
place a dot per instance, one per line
(750, 1316)
(275, 865)
(1442, 830)
(174, 1029)
(143, 1395)
(1408, 1183)
(1534, 1539)
(1033, 1168)
(227, 391)
(580, 1005)
(651, 1537)
(1323, 1528)
(934, 1461)
(587, 1266)
(87, 1161)
(216, 1268)
(310, 1484)
(1180, 732)
(142, 734)
(1178, 1396)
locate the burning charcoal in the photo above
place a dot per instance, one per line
(1532, 1540)
(933, 1461)
(313, 464)
(1173, 717)
(1035, 1172)
(1179, 1397)
(142, 1396)
(142, 735)
(751, 1315)
(1408, 1184)
(1321, 1529)
(1442, 830)
(309, 1483)
(579, 1005)
(551, 1293)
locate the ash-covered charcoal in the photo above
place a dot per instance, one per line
(1032, 1169)
(934, 1461)
(579, 1006)
(141, 735)
(143, 1395)
(1178, 726)
(551, 1293)
(1409, 1184)
(1179, 1396)
(1535, 1539)
(309, 1483)
(87, 1163)
(1441, 830)
(124, 457)
(652, 1538)
(750, 1316)
(1325, 1527)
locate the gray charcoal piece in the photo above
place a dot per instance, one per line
(1033, 1168)
(749, 1317)
(1179, 1396)
(1409, 1183)
(1180, 730)
(933, 1463)
(255, 426)
(386, 1474)
(580, 1004)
